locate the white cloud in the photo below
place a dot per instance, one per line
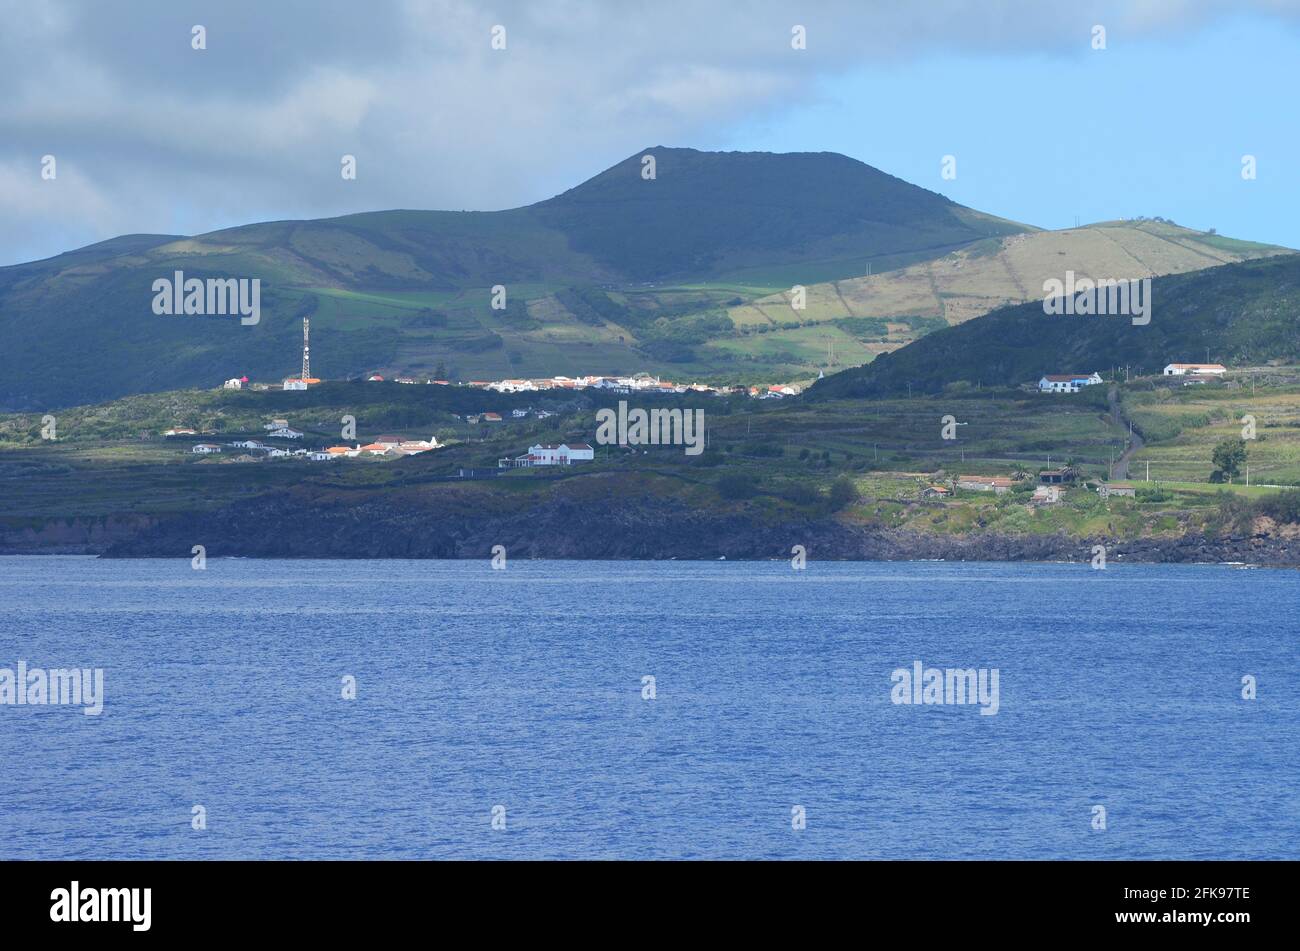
(158, 137)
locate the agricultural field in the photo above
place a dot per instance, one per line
(1183, 424)
(994, 273)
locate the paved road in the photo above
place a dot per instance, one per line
(1120, 471)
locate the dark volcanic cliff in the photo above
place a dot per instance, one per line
(469, 524)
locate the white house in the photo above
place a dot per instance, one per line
(322, 456)
(1046, 495)
(234, 383)
(1107, 489)
(565, 454)
(995, 484)
(294, 383)
(179, 431)
(1182, 369)
(206, 449)
(276, 424)
(284, 432)
(1067, 382)
(249, 444)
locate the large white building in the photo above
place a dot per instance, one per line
(565, 454)
(1067, 382)
(1200, 369)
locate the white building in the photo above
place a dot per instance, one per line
(295, 384)
(249, 444)
(1201, 369)
(1046, 495)
(284, 432)
(206, 449)
(233, 384)
(995, 484)
(1067, 382)
(565, 454)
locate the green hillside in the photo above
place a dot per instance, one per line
(1238, 314)
(869, 315)
(408, 291)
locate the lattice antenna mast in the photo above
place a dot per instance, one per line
(306, 348)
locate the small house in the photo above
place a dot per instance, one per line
(1046, 495)
(1120, 489)
(1062, 476)
(995, 484)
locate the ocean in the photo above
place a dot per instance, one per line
(511, 714)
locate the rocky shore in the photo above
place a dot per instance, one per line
(611, 528)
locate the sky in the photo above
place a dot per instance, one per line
(150, 135)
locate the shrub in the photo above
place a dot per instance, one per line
(737, 485)
(843, 493)
(801, 493)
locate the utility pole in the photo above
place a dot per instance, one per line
(1148, 470)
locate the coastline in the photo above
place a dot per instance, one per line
(644, 530)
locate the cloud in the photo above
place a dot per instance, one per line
(152, 135)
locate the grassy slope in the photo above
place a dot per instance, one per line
(79, 327)
(1241, 314)
(990, 274)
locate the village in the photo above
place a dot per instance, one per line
(284, 442)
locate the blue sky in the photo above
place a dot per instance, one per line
(152, 135)
(1148, 127)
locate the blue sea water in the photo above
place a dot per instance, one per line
(523, 688)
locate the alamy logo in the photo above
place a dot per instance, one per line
(1105, 297)
(103, 904)
(946, 687)
(656, 427)
(59, 686)
(178, 295)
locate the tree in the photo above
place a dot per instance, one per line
(1229, 456)
(843, 493)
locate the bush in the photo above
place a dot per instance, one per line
(737, 485)
(843, 493)
(1283, 507)
(801, 493)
